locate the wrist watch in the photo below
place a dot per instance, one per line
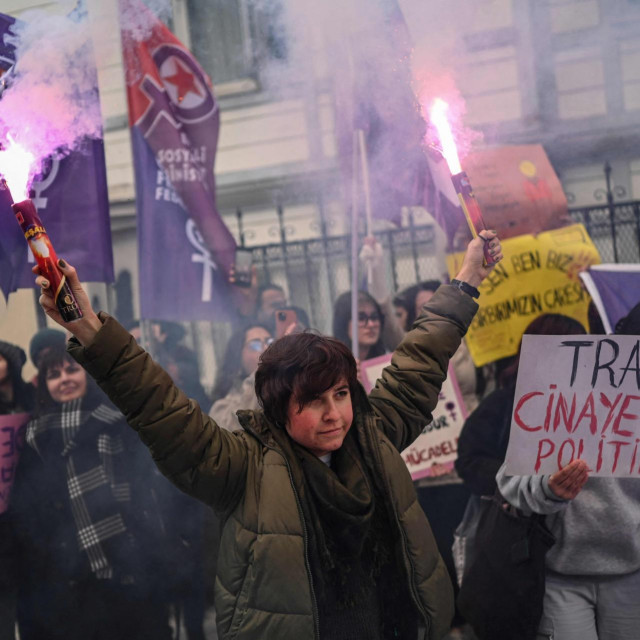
(466, 288)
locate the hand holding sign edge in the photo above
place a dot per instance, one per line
(567, 483)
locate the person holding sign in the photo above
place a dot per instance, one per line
(592, 587)
(322, 534)
(483, 440)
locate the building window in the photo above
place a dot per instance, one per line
(580, 84)
(573, 15)
(231, 38)
(630, 66)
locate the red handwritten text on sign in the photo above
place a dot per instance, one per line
(577, 397)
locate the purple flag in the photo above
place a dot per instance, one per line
(185, 249)
(614, 290)
(375, 95)
(72, 200)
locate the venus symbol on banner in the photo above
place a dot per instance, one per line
(203, 257)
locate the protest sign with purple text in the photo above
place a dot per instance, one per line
(12, 427)
(438, 442)
(577, 397)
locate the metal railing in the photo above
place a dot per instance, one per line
(614, 229)
(316, 271)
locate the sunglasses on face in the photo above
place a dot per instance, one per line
(363, 318)
(258, 344)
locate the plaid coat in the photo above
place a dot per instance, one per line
(78, 507)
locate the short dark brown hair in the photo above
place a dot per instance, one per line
(302, 365)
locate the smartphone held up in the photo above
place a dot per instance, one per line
(242, 267)
(285, 318)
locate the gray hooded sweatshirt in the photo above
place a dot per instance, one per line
(597, 533)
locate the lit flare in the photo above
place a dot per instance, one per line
(16, 166)
(438, 118)
(459, 179)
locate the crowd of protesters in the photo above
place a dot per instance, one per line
(96, 543)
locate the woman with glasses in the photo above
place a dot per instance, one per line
(234, 388)
(371, 323)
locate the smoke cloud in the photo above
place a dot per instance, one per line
(139, 22)
(52, 103)
(422, 37)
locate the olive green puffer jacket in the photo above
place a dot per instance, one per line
(264, 588)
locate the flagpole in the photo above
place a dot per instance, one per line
(362, 144)
(364, 163)
(354, 247)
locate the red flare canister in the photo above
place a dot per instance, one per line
(471, 210)
(42, 249)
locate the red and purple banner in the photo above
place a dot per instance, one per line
(185, 249)
(71, 198)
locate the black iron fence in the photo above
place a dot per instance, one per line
(614, 229)
(316, 271)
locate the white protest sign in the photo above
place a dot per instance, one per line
(577, 397)
(12, 428)
(438, 442)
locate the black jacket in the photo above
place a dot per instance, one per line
(483, 441)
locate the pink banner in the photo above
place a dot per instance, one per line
(12, 428)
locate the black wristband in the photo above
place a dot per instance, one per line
(466, 287)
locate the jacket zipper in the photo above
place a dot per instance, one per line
(307, 564)
(412, 586)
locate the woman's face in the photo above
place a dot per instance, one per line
(4, 370)
(322, 424)
(256, 340)
(66, 382)
(368, 325)
(401, 317)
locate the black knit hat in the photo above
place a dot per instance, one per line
(44, 339)
(14, 355)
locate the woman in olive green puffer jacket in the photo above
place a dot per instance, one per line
(278, 556)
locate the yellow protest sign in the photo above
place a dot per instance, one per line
(539, 274)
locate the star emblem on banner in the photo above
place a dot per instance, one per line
(184, 81)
